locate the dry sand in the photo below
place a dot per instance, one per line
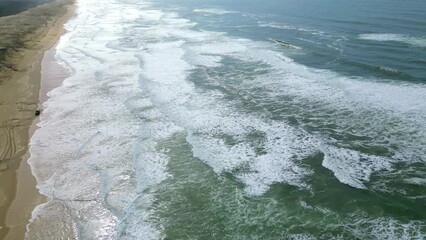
(19, 98)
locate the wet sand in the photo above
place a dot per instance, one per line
(19, 98)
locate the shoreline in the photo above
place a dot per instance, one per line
(18, 185)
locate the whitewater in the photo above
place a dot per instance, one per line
(168, 130)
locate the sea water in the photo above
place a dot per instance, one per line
(236, 120)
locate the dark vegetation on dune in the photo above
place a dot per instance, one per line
(18, 31)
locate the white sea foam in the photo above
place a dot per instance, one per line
(277, 25)
(216, 11)
(282, 152)
(301, 237)
(416, 181)
(385, 228)
(403, 38)
(353, 168)
(284, 26)
(86, 155)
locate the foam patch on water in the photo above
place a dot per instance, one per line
(353, 168)
(386, 228)
(403, 38)
(301, 237)
(416, 181)
(284, 26)
(402, 98)
(216, 11)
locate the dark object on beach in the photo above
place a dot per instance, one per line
(7, 65)
(37, 112)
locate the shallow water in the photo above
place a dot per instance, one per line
(217, 120)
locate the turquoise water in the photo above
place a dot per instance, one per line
(238, 120)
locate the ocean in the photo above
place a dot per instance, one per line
(12, 7)
(275, 119)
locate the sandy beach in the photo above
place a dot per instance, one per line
(20, 84)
